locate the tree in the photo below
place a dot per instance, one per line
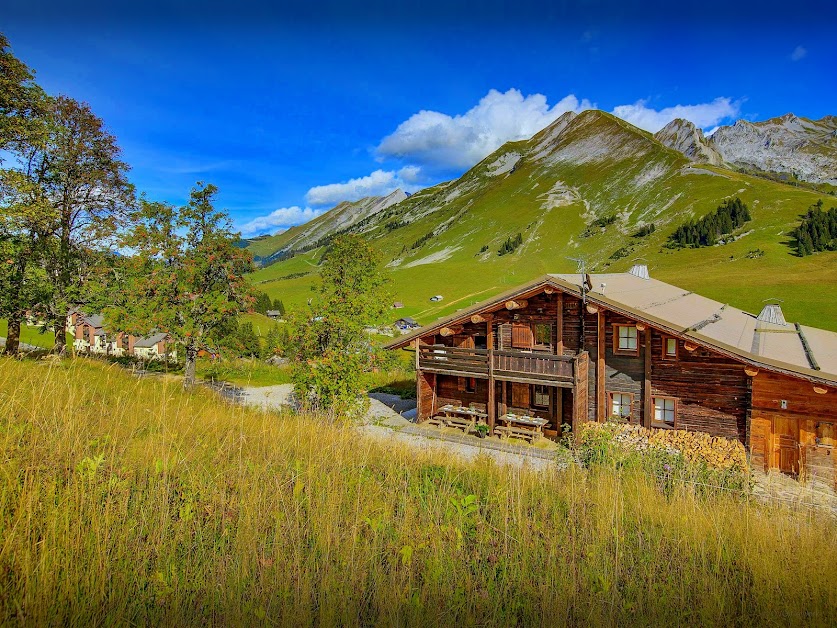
(187, 276)
(86, 181)
(263, 303)
(332, 355)
(279, 307)
(26, 212)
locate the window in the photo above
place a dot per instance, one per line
(664, 410)
(543, 335)
(669, 348)
(470, 384)
(625, 339)
(620, 405)
(541, 396)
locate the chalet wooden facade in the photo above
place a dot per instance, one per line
(573, 348)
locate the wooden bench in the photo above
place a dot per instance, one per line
(466, 425)
(516, 432)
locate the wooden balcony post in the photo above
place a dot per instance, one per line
(646, 382)
(559, 341)
(601, 400)
(492, 402)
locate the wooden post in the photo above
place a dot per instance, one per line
(601, 401)
(647, 409)
(492, 392)
(504, 407)
(418, 382)
(559, 319)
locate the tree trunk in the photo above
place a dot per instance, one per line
(13, 335)
(191, 358)
(60, 326)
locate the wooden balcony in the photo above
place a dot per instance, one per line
(523, 366)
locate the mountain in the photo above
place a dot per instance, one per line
(804, 148)
(789, 146)
(581, 189)
(337, 219)
(683, 136)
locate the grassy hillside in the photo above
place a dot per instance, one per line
(552, 189)
(127, 501)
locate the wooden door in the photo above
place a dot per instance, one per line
(760, 453)
(786, 445)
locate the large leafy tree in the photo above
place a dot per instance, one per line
(330, 348)
(25, 212)
(82, 174)
(185, 276)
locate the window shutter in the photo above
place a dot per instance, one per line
(460, 384)
(504, 336)
(522, 337)
(520, 395)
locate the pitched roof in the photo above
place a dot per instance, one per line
(94, 320)
(798, 349)
(150, 341)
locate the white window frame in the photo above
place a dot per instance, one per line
(628, 337)
(663, 407)
(619, 403)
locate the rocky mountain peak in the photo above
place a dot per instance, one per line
(683, 136)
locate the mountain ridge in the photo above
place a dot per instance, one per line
(583, 188)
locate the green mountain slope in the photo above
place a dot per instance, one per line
(579, 189)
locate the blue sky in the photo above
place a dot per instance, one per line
(289, 108)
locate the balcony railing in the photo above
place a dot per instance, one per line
(510, 364)
(454, 360)
(482, 363)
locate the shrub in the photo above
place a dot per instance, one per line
(510, 244)
(729, 216)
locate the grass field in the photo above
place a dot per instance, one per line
(130, 501)
(33, 336)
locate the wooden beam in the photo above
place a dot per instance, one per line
(601, 402)
(549, 290)
(820, 390)
(592, 309)
(492, 392)
(450, 331)
(559, 319)
(646, 383)
(477, 318)
(751, 371)
(516, 305)
(689, 346)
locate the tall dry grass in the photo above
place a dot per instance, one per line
(132, 501)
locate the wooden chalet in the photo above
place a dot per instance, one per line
(575, 348)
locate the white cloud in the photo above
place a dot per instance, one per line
(703, 115)
(442, 141)
(279, 220)
(379, 183)
(798, 53)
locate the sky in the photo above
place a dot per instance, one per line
(290, 108)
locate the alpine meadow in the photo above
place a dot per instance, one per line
(368, 314)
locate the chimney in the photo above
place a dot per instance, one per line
(639, 270)
(772, 313)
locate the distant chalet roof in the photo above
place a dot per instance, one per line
(408, 320)
(398, 304)
(798, 349)
(274, 313)
(150, 341)
(94, 320)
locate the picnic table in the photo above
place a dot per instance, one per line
(459, 417)
(521, 426)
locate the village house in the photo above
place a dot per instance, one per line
(274, 314)
(155, 347)
(566, 349)
(406, 324)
